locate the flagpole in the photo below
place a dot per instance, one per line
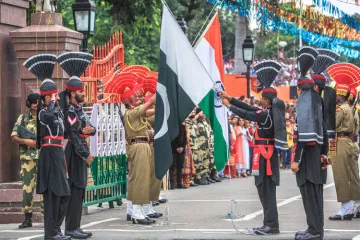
(196, 41)
(174, 18)
(300, 25)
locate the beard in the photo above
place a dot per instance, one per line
(79, 99)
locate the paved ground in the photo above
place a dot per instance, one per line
(201, 213)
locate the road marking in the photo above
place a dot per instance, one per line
(30, 237)
(99, 222)
(83, 226)
(237, 200)
(356, 238)
(280, 204)
(180, 230)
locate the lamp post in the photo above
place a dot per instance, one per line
(282, 45)
(84, 20)
(182, 23)
(248, 57)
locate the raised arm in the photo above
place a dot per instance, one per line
(258, 116)
(238, 103)
(241, 104)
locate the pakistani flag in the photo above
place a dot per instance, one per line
(183, 83)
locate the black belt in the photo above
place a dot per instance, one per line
(139, 140)
(344, 134)
(264, 142)
(52, 141)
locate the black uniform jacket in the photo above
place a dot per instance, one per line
(265, 129)
(51, 173)
(308, 155)
(77, 150)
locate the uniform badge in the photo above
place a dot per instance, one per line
(71, 121)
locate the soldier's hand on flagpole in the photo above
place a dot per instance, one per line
(153, 99)
(223, 94)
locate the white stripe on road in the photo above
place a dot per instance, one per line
(99, 222)
(83, 226)
(30, 237)
(205, 231)
(282, 203)
(356, 238)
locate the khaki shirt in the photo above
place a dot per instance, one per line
(26, 153)
(151, 121)
(356, 122)
(344, 119)
(136, 123)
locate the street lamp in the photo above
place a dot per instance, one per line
(181, 21)
(84, 18)
(248, 57)
(282, 45)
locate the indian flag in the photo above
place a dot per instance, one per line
(209, 51)
(183, 83)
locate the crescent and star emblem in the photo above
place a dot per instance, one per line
(161, 89)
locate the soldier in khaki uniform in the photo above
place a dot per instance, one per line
(28, 156)
(345, 169)
(356, 150)
(138, 151)
(155, 184)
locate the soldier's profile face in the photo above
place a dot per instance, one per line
(80, 96)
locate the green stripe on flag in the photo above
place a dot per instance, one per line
(221, 153)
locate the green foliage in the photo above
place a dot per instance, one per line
(141, 35)
(267, 46)
(142, 40)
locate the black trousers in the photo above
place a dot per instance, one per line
(74, 211)
(54, 212)
(312, 196)
(267, 195)
(178, 163)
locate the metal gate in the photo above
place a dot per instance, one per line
(107, 175)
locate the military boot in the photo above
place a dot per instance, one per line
(27, 222)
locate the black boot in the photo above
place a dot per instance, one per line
(27, 222)
(210, 180)
(215, 178)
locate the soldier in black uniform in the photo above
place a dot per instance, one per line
(52, 180)
(78, 129)
(308, 151)
(270, 133)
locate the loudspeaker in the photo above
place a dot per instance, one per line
(293, 92)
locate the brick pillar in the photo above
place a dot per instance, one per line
(45, 35)
(9, 106)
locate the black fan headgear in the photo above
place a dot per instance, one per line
(324, 60)
(41, 65)
(306, 58)
(75, 63)
(266, 72)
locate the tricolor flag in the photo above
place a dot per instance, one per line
(183, 83)
(209, 51)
